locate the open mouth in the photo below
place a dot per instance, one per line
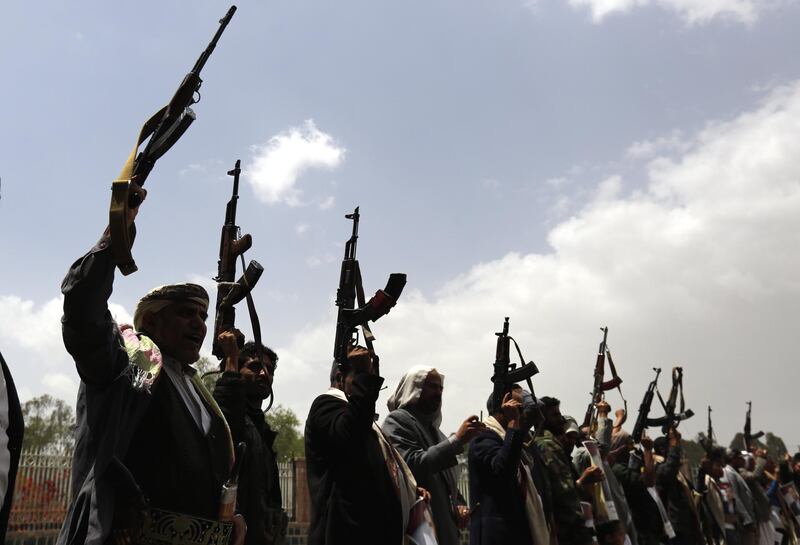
(196, 340)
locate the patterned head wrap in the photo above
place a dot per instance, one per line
(159, 298)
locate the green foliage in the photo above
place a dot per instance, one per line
(49, 425)
(774, 445)
(693, 450)
(289, 443)
(205, 365)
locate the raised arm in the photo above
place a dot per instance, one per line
(90, 334)
(345, 425)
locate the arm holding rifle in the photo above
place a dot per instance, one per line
(161, 132)
(229, 293)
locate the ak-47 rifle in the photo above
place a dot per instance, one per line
(230, 292)
(748, 436)
(351, 291)
(643, 420)
(163, 129)
(506, 373)
(671, 419)
(708, 444)
(600, 387)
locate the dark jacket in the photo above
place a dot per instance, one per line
(130, 441)
(14, 432)
(353, 498)
(646, 517)
(259, 494)
(677, 500)
(432, 459)
(494, 463)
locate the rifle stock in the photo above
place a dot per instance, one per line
(643, 418)
(231, 247)
(161, 131)
(350, 293)
(600, 386)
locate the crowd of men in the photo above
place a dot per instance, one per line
(161, 460)
(154, 461)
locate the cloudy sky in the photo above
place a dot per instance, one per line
(568, 163)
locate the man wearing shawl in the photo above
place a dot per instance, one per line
(362, 491)
(508, 509)
(151, 443)
(412, 426)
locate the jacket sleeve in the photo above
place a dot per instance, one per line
(90, 334)
(346, 425)
(566, 497)
(667, 472)
(501, 458)
(424, 463)
(230, 396)
(603, 434)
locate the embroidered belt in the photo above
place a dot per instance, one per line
(167, 528)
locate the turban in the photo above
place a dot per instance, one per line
(159, 298)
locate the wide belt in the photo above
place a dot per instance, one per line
(163, 527)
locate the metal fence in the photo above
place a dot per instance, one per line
(42, 491)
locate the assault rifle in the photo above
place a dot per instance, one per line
(351, 291)
(643, 420)
(748, 436)
(229, 293)
(671, 419)
(163, 129)
(600, 387)
(708, 444)
(506, 373)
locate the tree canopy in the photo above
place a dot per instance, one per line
(49, 425)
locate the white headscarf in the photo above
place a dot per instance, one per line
(409, 389)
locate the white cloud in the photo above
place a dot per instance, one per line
(279, 163)
(692, 11)
(301, 229)
(699, 268)
(35, 329)
(30, 338)
(647, 149)
(61, 385)
(327, 203)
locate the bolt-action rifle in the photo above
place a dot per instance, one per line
(163, 129)
(748, 436)
(230, 292)
(506, 373)
(600, 386)
(351, 292)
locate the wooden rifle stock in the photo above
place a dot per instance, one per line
(351, 292)
(231, 247)
(161, 132)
